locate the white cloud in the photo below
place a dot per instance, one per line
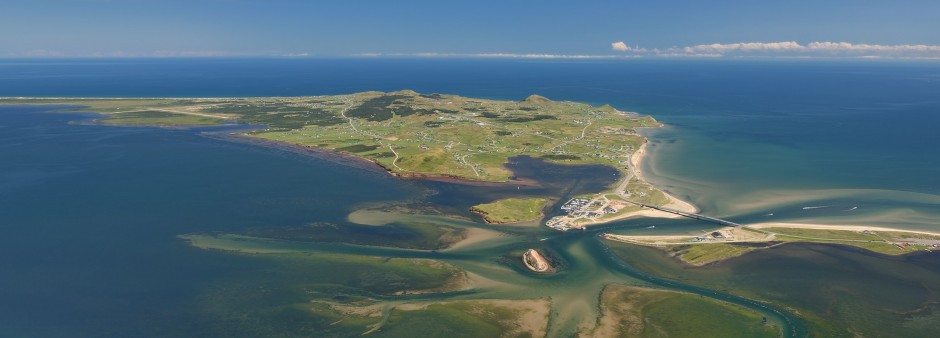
(779, 49)
(813, 49)
(619, 46)
(743, 46)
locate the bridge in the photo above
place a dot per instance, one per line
(688, 214)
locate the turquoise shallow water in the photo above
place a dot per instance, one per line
(90, 214)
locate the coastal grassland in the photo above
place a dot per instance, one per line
(885, 242)
(628, 311)
(511, 210)
(695, 250)
(701, 254)
(698, 250)
(835, 290)
(641, 191)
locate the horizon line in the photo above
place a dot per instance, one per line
(503, 56)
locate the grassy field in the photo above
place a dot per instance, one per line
(643, 192)
(640, 312)
(511, 210)
(701, 254)
(877, 241)
(409, 133)
(692, 251)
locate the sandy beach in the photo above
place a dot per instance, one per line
(835, 227)
(540, 263)
(636, 161)
(675, 203)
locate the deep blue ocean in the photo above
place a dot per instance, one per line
(89, 214)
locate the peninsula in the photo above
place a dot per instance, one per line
(728, 242)
(429, 136)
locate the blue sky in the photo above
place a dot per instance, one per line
(468, 28)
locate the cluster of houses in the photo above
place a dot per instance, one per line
(575, 205)
(577, 208)
(557, 223)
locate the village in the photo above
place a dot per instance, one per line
(583, 209)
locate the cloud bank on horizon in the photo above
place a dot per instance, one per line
(782, 49)
(788, 49)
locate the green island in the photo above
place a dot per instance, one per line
(511, 210)
(728, 242)
(424, 135)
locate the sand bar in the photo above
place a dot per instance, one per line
(836, 227)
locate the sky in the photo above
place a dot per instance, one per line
(482, 28)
